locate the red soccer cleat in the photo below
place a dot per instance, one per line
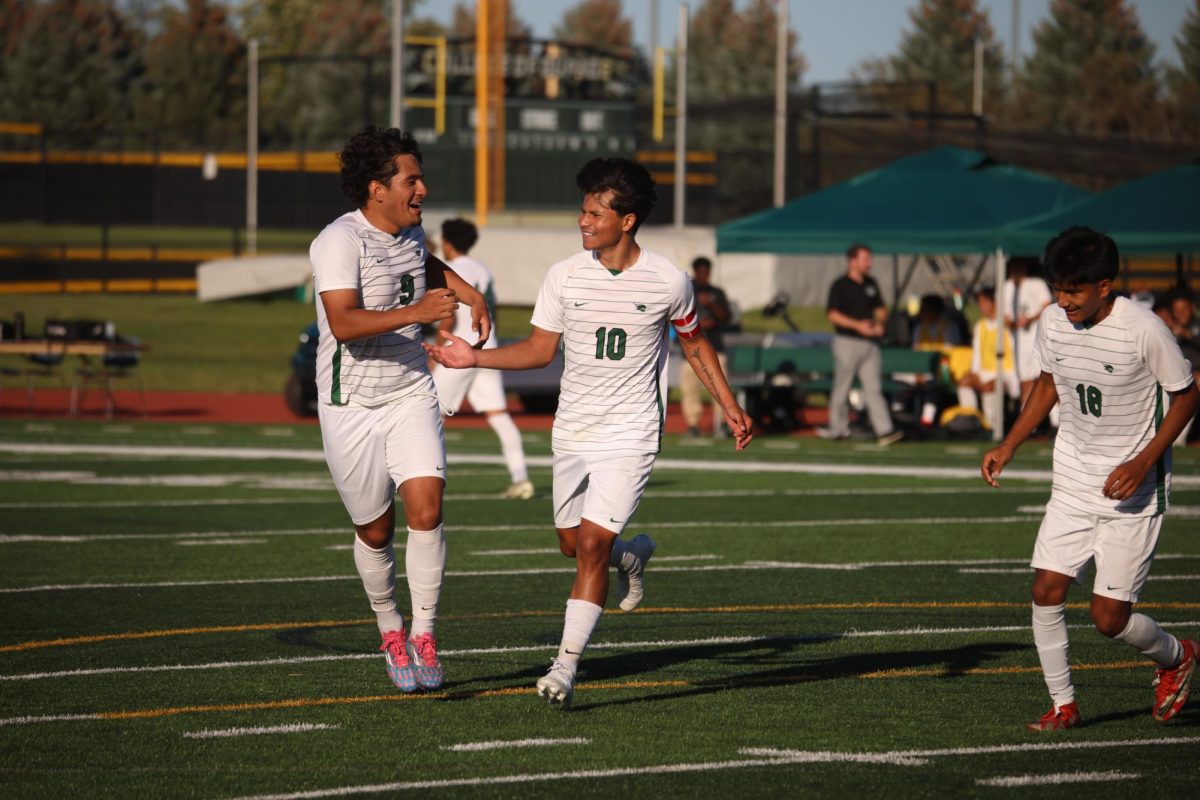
(1171, 685)
(1058, 718)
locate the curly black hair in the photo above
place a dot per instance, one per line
(1080, 255)
(460, 233)
(370, 155)
(631, 185)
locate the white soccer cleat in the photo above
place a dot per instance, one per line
(631, 583)
(557, 686)
(521, 490)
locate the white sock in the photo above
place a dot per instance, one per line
(1050, 636)
(510, 445)
(424, 565)
(620, 550)
(1143, 634)
(580, 621)
(967, 397)
(377, 568)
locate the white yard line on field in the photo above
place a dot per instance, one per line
(742, 466)
(751, 566)
(1055, 779)
(299, 727)
(476, 747)
(774, 758)
(742, 527)
(919, 757)
(488, 651)
(222, 542)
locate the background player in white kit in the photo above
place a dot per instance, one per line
(483, 388)
(1110, 364)
(610, 306)
(381, 427)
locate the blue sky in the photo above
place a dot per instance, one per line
(837, 35)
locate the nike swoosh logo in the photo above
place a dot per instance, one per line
(428, 608)
(573, 653)
(610, 519)
(1110, 588)
(577, 305)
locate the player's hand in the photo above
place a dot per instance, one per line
(993, 464)
(1124, 481)
(740, 425)
(435, 306)
(456, 353)
(481, 322)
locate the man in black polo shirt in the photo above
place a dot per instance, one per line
(857, 312)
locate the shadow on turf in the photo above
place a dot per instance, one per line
(758, 664)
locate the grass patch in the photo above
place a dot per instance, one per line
(828, 617)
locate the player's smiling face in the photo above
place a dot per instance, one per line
(600, 226)
(398, 202)
(1084, 303)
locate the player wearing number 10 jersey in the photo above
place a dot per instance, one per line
(1125, 392)
(609, 306)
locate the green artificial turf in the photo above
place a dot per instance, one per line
(820, 620)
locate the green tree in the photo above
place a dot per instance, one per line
(194, 89)
(1091, 72)
(940, 47)
(463, 24)
(599, 23)
(731, 75)
(70, 66)
(1184, 81)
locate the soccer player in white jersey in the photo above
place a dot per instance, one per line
(609, 306)
(1126, 392)
(484, 388)
(376, 284)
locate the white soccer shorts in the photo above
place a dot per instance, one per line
(604, 490)
(1122, 548)
(371, 451)
(482, 388)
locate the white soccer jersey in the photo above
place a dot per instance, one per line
(479, 276)
(1112, 380)
(387, 272)
(613, 395)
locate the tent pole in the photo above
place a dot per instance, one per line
(1001, 302)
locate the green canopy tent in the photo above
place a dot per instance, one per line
(1156, 214)
(946, 200)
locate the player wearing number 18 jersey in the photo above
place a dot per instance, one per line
(1125, 392)
(609, 306)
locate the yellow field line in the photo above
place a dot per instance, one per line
(513, 691)
(744, 609)
(109, 637)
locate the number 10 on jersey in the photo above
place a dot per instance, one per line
(610, 343)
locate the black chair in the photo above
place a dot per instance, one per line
(115, 366)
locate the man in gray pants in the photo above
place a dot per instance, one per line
(856, 310)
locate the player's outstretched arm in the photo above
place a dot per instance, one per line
(348, 321)
(438, 272)
(1125, 479)
(1043, 398)
(703, 361)
(531, 353)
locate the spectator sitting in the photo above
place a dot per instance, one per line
(981, 380)
(934, 329)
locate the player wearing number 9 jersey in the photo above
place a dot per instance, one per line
(1125, 393)
(376, 284)
(609, 307)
